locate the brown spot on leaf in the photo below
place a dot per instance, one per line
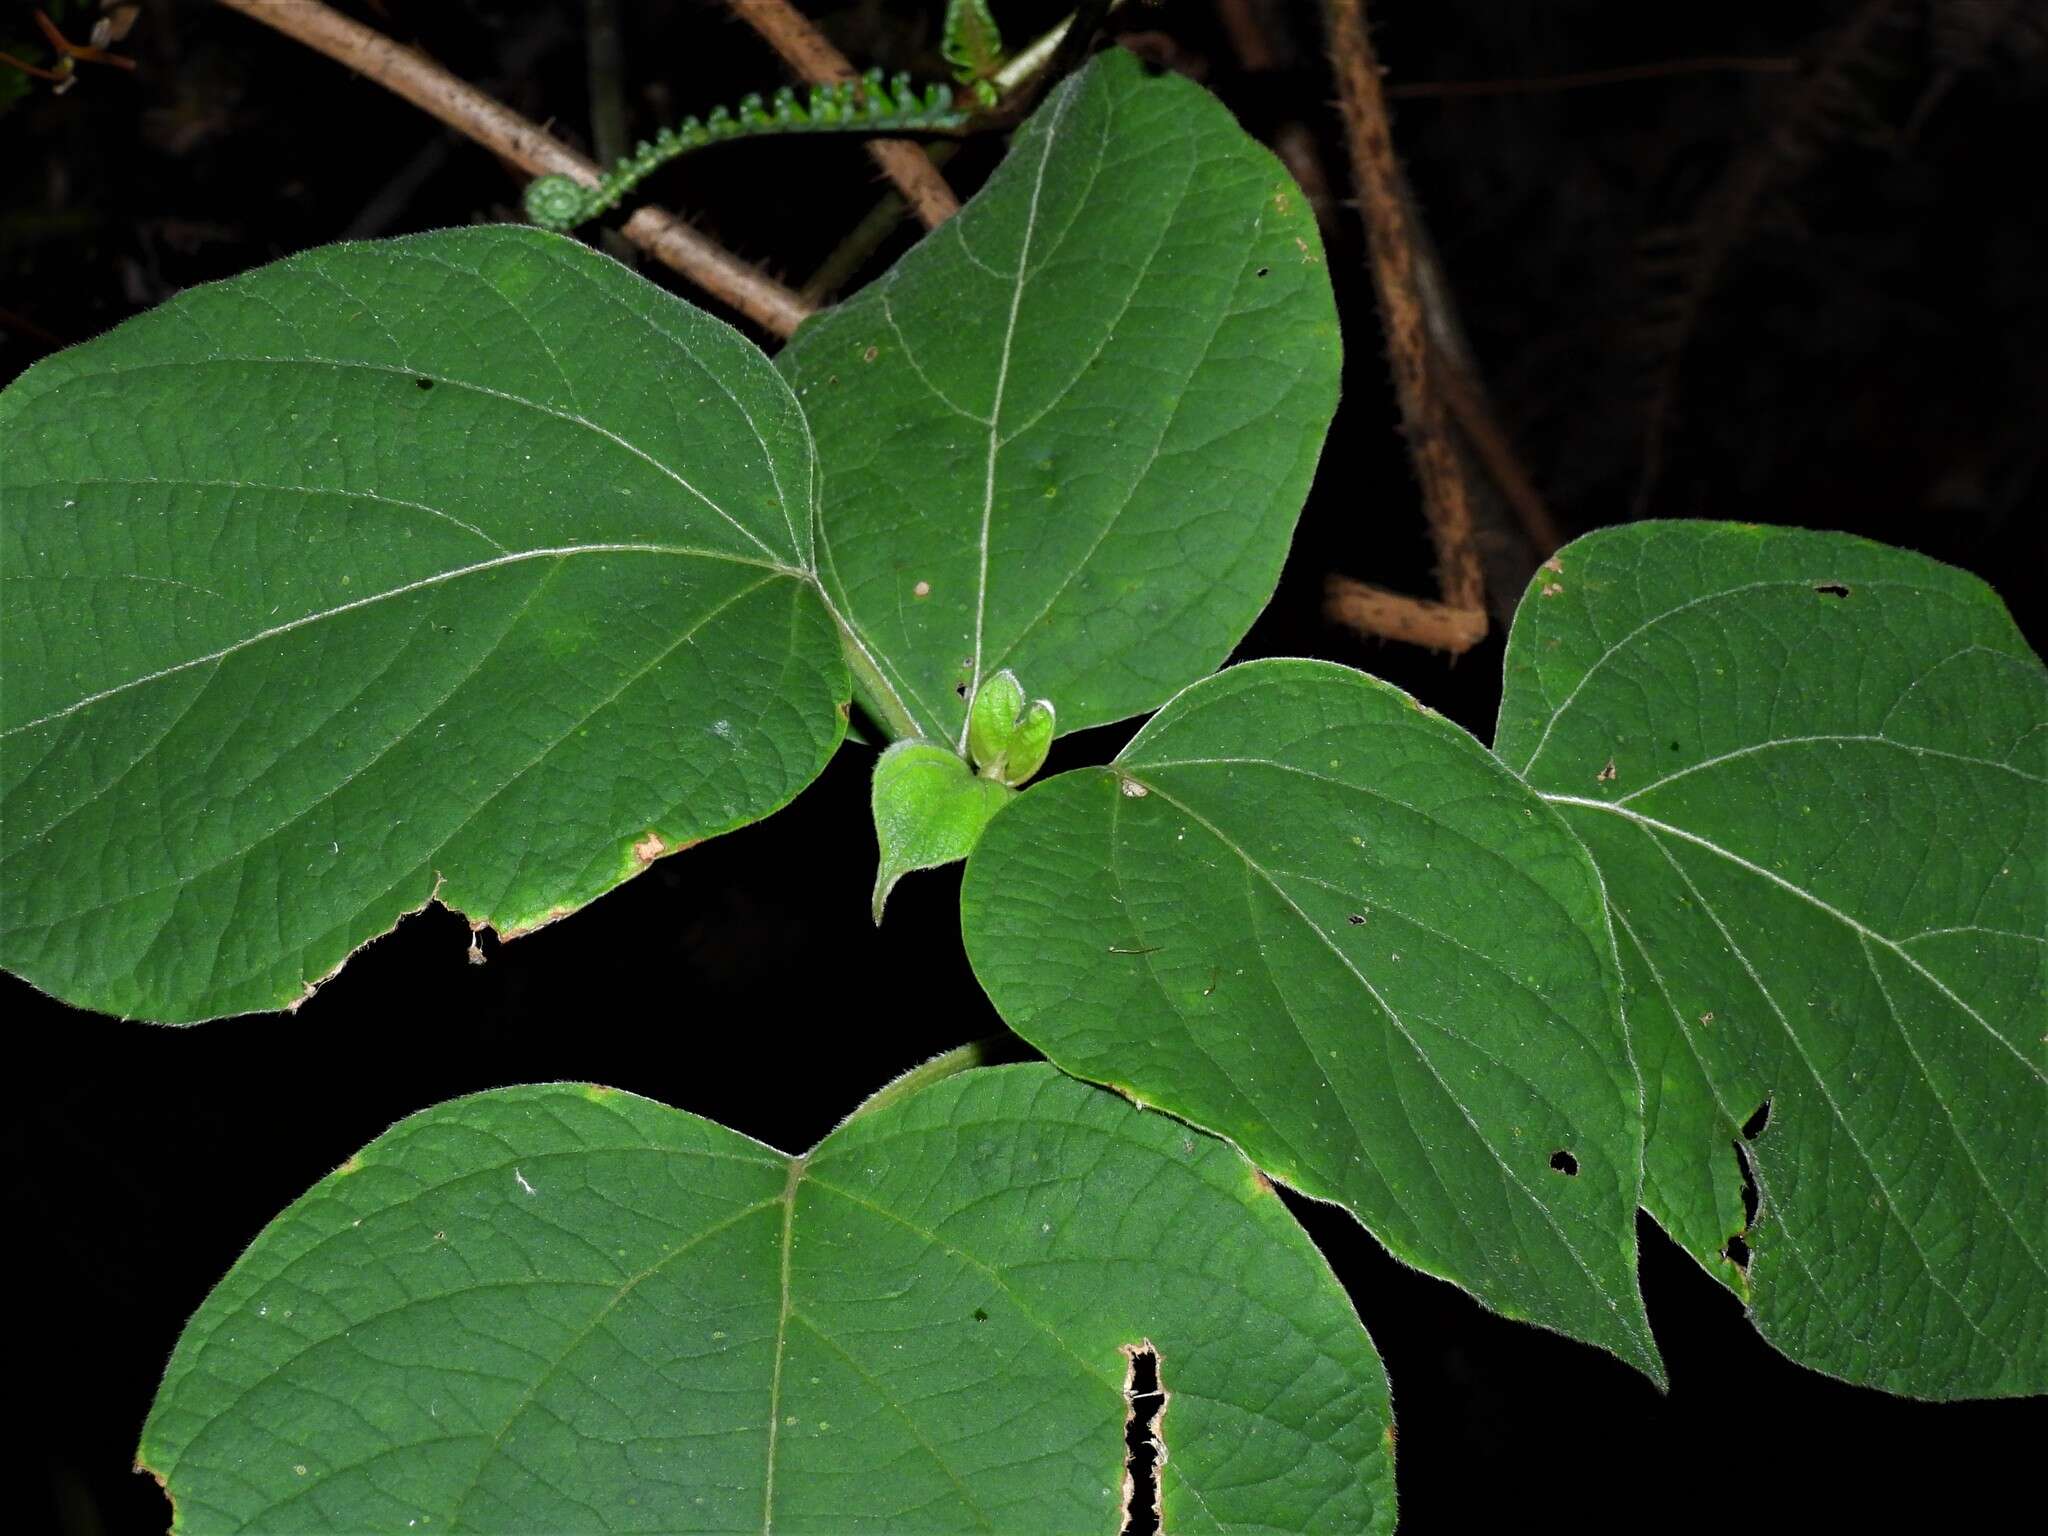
(871, 354)
(1606, 775)
(649, 848)
(922, 589)
(1552, 589)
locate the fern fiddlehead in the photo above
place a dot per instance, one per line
(871, 104)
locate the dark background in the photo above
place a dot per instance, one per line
(1867, 355)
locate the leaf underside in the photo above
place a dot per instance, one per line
(1306, 913)
(563, 1307)
(468, 565)
(1814, 774)
(1069, 433)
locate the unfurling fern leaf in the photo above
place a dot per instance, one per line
(870, 104)
(973, 45)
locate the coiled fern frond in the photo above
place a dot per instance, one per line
(870, 104)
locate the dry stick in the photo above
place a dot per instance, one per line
(1488, 441)
(1383, 201)
(1417, 620)
(498, 128)
(805, 50)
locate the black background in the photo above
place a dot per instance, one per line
(1869, 358)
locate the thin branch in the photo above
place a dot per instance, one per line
(498, 128)
(1488, 441)
(1415, 620)
(1423, 90)
(1383, 199)
(806, 51)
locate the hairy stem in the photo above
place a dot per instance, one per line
(1384, 200)
(867, 670)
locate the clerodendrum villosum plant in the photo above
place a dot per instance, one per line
(472, 568)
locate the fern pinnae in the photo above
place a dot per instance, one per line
(870, 104)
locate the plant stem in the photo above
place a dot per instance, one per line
(814, 59)
(1391, 616)
(962, 1058)
(498, 128)
(868, 672)
(1384, 201)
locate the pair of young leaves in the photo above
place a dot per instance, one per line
(1765, 827)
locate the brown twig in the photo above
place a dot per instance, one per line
(1415, 620)
(1423, 90)
(84, 52)
(1383, 200)
(1483, 434)
(498, 128)
(805, 50)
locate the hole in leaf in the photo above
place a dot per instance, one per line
(1565, 1163)
(1753, 1127)
(961, 689)
(1736, 1252)
(1144, 1452)
(1264, 272)
(1832, 589)
(424, 383)
(1751, 1198)
(1356, 919)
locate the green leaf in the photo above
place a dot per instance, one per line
(929, 810)
(1029, 742)
(1069, 433)
(1306, 913)
(992, 717)
(1811, 771)
(970, 41)
(469, 566)
(567, 1308)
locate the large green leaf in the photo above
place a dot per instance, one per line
(1812, 772)
(1070, 432)
(1308, 914)
(469, 566)
(567, 1308)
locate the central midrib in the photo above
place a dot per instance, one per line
(796, 1173)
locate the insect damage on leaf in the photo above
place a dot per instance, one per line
(1144, 1447)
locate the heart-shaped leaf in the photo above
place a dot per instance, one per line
(1814, 774)
(469, 565)
(566, 1308)
(929, 809)
(1070, 432)
(1306, 913)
